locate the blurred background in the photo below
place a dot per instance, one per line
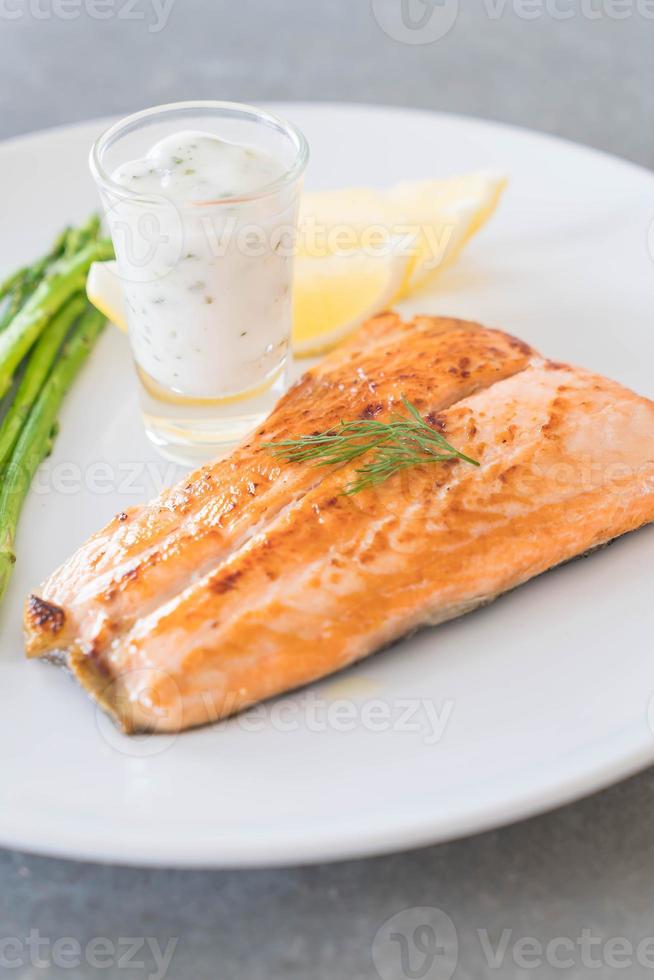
(579, 68)
(582, 70)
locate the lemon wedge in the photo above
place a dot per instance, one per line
(335, 293)
(359, 250)
(438, 216)
(105, 291)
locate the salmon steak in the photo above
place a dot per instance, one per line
(256, 575)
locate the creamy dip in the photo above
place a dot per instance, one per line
(207, 272)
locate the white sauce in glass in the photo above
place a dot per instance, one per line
(207, 284)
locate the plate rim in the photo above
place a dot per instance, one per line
(237, 852)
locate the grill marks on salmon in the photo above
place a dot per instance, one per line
(261, 590)
(149, 554)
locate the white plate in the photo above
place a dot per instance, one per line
(545, 694)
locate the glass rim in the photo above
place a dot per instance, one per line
(127, 124)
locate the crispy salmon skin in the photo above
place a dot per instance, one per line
(255, 576)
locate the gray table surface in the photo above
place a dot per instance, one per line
(583, 875)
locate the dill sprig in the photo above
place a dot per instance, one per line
(399, 444)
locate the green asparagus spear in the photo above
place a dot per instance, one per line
(66, 277)
(38, 433)
(34, 273)
(79, 237)
(21, 283)
(12, 282)
(38, 367)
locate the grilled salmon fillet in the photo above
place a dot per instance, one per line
(255, 576)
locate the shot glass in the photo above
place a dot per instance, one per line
(207, 284)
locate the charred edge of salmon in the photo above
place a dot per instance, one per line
(45, 619)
